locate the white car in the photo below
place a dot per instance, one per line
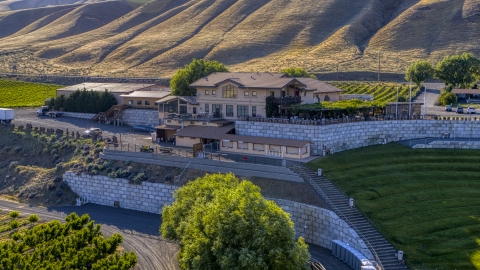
(471, 110)
(88, 133)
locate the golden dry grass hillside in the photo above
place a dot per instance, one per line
(154, 38)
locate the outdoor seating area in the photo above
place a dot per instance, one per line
(193, 116)
(339, 120)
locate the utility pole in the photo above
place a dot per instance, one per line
(410, 102)
(396, 106)
(337, 73)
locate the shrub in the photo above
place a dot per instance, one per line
(33, 218)
(14, 224)
(14, 214)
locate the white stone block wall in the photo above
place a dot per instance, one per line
(346, 136)
(79, 115)
(322, 226)
(147, 197)
(134, 117)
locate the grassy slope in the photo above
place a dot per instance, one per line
(426, 202)
(24, 94)
(160, 36)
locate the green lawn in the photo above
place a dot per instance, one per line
(426, 202)
(25, 94)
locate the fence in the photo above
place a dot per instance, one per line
(186, 152)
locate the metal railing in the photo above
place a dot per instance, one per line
(306, 177)
(285, 100)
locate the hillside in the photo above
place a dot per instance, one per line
(154, 38)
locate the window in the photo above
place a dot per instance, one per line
(171, 107)
(183, 102)
(147, 102)
(246, 93)
(272, 94)
(183, 109)
(242, 145)
(292, 150)
(254, 111)
(192, 122)
(258, 147)
(139, 102)
(227, 144)
(160, 108)
(130, 102)
(229, 111)
(327, 98)
(217, 110)
(242, 110)
(229, 91)
(254, 93)
(194, 110)
(207, 107)
(207, 92)
(214, 92)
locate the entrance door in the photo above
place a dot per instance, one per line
(297, 93)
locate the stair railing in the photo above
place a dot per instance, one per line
(299, 169)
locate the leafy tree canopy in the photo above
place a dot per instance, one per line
(180, 83)
(76, 244)
(223, 223)
(458, 70)
(419, 71)
(297, 72)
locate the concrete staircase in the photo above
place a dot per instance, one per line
(384, 252)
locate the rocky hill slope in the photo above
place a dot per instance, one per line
(154, 38)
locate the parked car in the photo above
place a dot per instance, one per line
(144, 128)
(471, 110)
(448, 108)
(459, 110)
(89, 132)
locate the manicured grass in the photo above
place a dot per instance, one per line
(25, 94)
(426, 202)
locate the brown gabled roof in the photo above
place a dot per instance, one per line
(246, 80)
(318, 86)
(466, 91)
(220, 133)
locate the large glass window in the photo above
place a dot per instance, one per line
(139, 102)
(171, 107)
(229, 111)
(183, 102)
(207, 107)
(229, 91)
(254, 111)
(217, 110)
(242, 110)
(147, 102)
(183, 109)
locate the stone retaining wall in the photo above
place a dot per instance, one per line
(134, 117)
(450, 145)
(322, 226)
(79, 115)
(339, 137)
(147, 197)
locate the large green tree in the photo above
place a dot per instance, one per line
(180, 83)
(297, 72)
(223, 223)
(458, 70)
(419, 71)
